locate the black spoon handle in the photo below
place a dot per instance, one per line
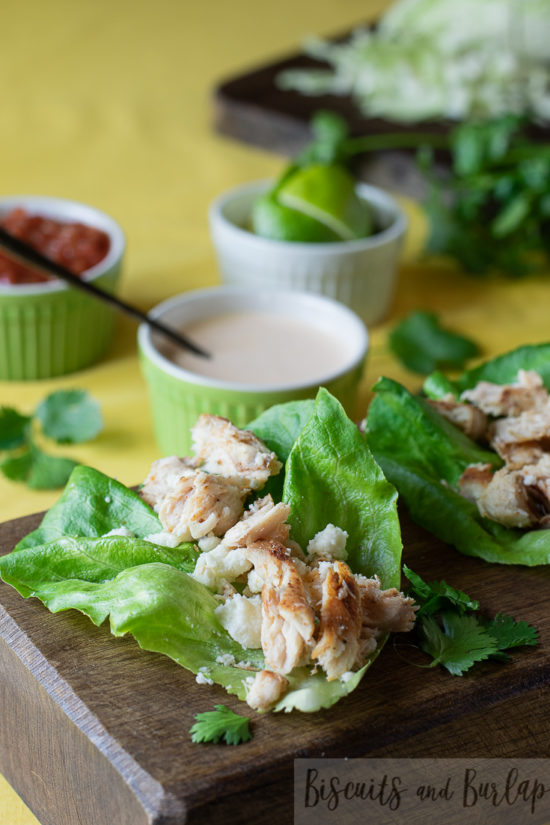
(25, 254)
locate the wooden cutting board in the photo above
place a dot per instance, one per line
(95, 731)
(250, 107)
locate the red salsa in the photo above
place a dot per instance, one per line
(74, 245)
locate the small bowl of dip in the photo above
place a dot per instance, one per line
(267, 346)
(361, 273)
(48, 328)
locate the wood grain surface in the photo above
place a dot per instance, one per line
(95, 731)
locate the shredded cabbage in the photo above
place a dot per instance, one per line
(440, 59)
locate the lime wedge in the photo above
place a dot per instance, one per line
(326, 193)
(272, 220)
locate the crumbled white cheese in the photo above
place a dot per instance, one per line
(226, 659)
(107, 499)
(207, 543)
(163, 539)
(201, 679)
(242, 618)
(255, 581)
(120, 531)
(219, 565)
(345, 677)
(329, 543)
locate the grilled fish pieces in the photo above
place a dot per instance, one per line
(204, 495)
(466, 417)
(514, 497)
(530, 430)
(340, 619)
(266, 690)
(288, 621)
(262, 520)
(162, 477)
(518, 494)
(497, 400)
(199, 505)
(239, 455)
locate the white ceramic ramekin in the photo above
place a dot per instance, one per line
(178, 396)
(361, 274)
(50, 328)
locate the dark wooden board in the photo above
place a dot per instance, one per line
(95, 731)
(250, 107)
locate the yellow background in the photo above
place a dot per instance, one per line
(109, 102)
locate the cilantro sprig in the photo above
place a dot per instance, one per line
(492, 211)
(455, 634)
(65, 416)
(221, 724)
(423, 345)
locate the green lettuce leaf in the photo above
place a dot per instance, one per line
(91, 505)
(504, 368)
(406, 427)
(332, 477)
(88, 560)
(423, 455)
(163, 608)
(500, 370)
(145, 590)
(280, 425)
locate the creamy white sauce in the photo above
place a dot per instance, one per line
(263, 348)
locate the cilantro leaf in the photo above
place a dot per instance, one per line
(38, 469)
(14, 428)
(423, 345)
(509, 633)
(459, 644)
(222, 723)
(433, 596)
(70, 416)
(451, 630)
(17, 468)
(49, 472)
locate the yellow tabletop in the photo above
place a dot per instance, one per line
(109, 103)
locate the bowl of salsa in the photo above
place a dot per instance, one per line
(48, 328)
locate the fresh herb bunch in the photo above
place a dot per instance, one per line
(493, 211)
(67, 417)
(455, 634)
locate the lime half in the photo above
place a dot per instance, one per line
(326, 193)
(279, 223)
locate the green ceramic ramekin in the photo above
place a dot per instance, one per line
(50, 329)
(179, 396)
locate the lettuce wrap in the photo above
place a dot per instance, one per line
(424, 455)
(145, 589)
